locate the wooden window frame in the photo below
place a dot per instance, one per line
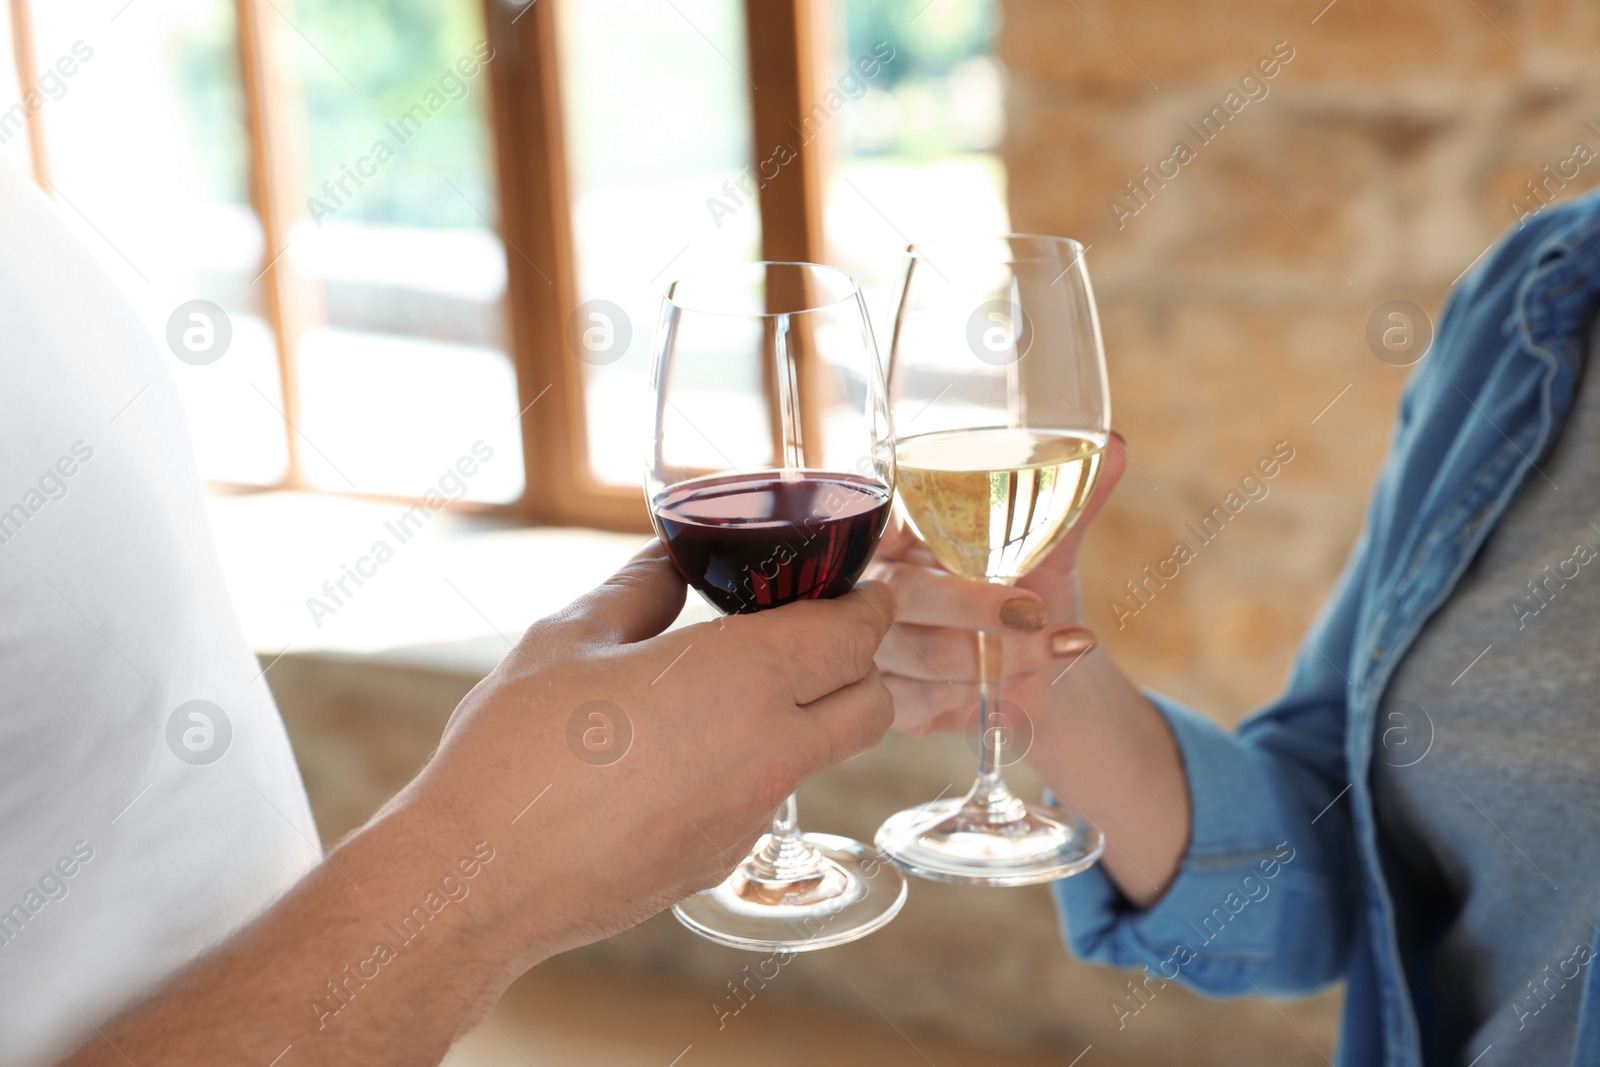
(783, 44)
(785, 49)
(26, 61)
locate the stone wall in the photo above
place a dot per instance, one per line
(1376, 163)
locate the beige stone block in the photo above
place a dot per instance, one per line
(1203, 390)
(1277, 203)
(1065, 161)
(1401, 42)
(1102, 47)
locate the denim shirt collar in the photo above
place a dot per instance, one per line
(1556, 299)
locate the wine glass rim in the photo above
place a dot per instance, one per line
(852, 288)
(1075, 249)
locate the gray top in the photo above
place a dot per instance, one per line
(1487, 774)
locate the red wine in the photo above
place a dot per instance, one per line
(753, 541)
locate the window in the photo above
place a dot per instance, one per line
(402, 362)
(650, 157)
(916, 156)
(425, 230)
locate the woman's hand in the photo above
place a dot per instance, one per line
(929, 658)
(1095, 739)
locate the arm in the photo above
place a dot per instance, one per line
(510, 847)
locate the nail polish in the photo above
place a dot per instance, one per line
(1071, 643)
(1022, 613)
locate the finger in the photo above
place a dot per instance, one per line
(941, 653)
(924, 708)
(847, 722)
(823, 645)
(929, 653)
(637, 602)
(932, 597)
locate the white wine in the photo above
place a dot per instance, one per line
(989, 503)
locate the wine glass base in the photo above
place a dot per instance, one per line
(860, 893)
(937, 842)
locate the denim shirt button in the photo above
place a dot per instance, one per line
(1377, 652)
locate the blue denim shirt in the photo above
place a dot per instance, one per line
(1281, 890)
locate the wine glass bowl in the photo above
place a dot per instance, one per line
(998, 391)
(770, 480)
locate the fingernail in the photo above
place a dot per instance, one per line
(1069, 644)
(1022, 613)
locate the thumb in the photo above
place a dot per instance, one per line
(1065, 555)
(1111, 472)
(637, 602)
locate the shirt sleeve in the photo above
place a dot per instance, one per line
(1267, 894)
(1263, 901)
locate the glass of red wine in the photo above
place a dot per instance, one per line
(770, 482)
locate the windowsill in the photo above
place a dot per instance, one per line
(453, 594)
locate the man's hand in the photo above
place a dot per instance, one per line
(517, 841)
(726, 719)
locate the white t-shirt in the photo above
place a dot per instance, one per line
(136, 828)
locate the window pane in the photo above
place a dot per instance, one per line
(172, 221)
(404, 369)
(916, 137)
(658, 142)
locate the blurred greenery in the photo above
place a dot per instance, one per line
(935, 43)
(394, 52)
(929, 41)
(204, 61)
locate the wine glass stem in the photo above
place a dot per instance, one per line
(990, 800)
(785, 856)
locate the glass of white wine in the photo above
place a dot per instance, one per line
(997, 387)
